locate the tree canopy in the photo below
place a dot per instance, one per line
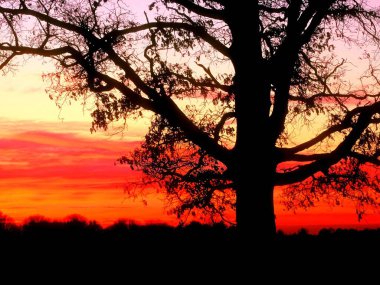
(207, 73)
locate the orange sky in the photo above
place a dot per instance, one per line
(51, 165)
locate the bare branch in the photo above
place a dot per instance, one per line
(223, 120)
(357, 95)
(372, 159)
(344, 124)
(199, 10)
(196, 30)
(341, 151)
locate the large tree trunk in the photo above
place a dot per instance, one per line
(254, 205)
(253, 165)
(254, 179)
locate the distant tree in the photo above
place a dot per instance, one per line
(225, 84)
(5, 221)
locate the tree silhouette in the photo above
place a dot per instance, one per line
(224, 82)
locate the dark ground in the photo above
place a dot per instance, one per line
(192, 254)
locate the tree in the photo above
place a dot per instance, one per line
(224, 82)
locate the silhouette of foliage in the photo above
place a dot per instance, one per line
(40, 248)
(221, 93)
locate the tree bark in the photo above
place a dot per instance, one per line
(254, 188)
(253, 165)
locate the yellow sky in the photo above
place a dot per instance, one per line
(28, 116)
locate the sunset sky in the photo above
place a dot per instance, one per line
(51, 165)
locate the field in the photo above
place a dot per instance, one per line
(83, 249)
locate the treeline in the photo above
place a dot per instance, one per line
(66, 247)
(122, 230)
(124, 238)
(79, 227)
(76, 243)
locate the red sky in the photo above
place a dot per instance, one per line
(51, 165)
(57, 173)
(56, 169)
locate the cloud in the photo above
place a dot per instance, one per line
(56, 174)
(58, 171)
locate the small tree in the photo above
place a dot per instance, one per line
(225, 81)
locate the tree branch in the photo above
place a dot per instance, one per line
(217, 84)
(310, 25)
(373, 159)
(346, 123)
(355, 95)
(169, 110)
(7, 60)
(45, 18)
(165, 106)
(341, 151)
(131, 95)
(285, 58)
(202, 11)
(196, 30)
(272, 10)
(221, 123)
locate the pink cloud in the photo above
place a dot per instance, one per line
(58, 174)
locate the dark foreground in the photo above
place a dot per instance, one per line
(196, 253)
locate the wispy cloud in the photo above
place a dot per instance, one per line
(56, 172)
